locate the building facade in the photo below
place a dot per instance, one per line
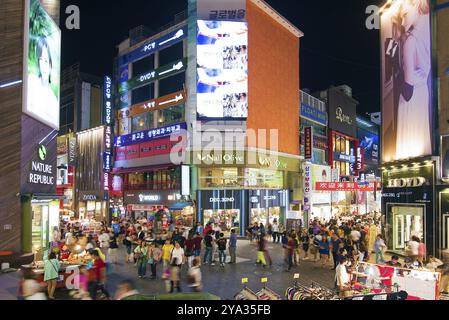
(193, 118)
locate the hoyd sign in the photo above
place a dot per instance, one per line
(407, 182)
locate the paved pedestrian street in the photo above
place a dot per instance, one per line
(223, 282)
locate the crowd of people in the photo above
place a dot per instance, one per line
(174, 253)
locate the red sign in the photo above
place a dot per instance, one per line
(308, 143)
(132, 152)
(344, 186)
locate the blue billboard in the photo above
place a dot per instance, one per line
(369, 142)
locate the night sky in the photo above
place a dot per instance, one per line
(336, 49)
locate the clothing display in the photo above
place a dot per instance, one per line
(313, 292)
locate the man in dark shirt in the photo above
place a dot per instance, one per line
(335, 242)
(208, 253)
(233, 246)
(221, 243)
(140, 234)
(197, 244)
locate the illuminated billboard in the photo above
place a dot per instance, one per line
(406, 80)
(222, 69)
(41, 65)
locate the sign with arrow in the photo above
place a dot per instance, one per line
(169, 100)
(151, 76)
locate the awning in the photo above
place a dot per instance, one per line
(179, 205)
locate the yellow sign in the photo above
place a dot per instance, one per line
(264, 280)
(244, 280)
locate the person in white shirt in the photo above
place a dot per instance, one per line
(104, 242)
(275, 229)
(413, 248)
(177, 253)
(69, 238)
(343, 278)
(355, 235)
(194, 276)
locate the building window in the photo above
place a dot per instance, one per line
(143, 66)
(143, 94)
(171, 54)
(171, 115)
(142, 122)
(154, 180)
(172, 84)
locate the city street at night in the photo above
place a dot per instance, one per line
(244, 151)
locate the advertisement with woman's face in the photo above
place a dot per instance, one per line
(42, 66)
(406, 80)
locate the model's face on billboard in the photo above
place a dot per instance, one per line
(409, 15)
(44, 64)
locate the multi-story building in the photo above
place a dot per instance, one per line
(203, 79)
(414, 125)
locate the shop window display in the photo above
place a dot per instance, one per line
(405, 221)
(226, 219)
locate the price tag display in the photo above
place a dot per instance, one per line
(244, 280)
(296, 276)
(264, 280)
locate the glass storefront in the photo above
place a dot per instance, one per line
(93, 210)
(45, 217)
(171, 115)
(250, 178)
(265, 215)
(405, 221)
(226, 219)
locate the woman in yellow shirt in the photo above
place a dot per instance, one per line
(166, 253)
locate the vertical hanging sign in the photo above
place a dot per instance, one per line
(107, 120)
(308, 143)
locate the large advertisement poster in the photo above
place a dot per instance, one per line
(369, 143)
(406, 80)
(320, 174)
(41, 65)
(222, 53)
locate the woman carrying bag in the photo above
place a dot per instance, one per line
(51, 274)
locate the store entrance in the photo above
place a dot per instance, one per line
(265, 215)
(406, 221)
(226, 219)
(45, 219)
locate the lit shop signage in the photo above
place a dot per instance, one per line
(369, 142)
(307, 187)
(107, 100)
(41, 173)
(149, 198)
(221, 200)
(344, 157)
(340, 116)
(313, 114)
(89, 197)
(220, 10)
(222, 70)
(269, 162)
(220, 158)
(345, 186)
(160, 73)
(359, 160)
(72, 152)
(407, 182)
(308, 143)
(107, 118)
(173, 99)
(149, 135)
(150, 47)
(106, 181)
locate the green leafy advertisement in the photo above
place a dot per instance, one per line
(42, 25)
